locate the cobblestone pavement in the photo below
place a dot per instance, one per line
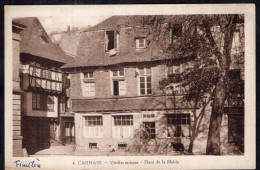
(69, 151)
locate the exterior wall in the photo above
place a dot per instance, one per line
(97, 60)
(17, 136)
(103, 82)
(28, 111)
(162, 144)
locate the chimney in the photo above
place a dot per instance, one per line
(68, 28)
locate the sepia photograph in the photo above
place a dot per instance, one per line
(126, 85)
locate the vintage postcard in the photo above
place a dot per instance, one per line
(130, 87)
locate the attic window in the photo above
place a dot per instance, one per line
(140, 43)
(43, 40)
(176, 32)
(111, 40)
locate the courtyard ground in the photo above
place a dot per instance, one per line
(68, 150)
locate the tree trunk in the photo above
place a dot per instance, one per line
(213, 143)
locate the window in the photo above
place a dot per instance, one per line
(145, 81)
(118, 87)
(50, 103)
(89, 89)
(140, 43)
(118, 73)
(178, 125)
(92, 145)
(123, 120)
(148, 115)
(123, 126)
(36, 101)
(88, 75)
(88, 85)
(176, 30)
(174, 69)
(149, 130)
(69, 129)
(93, 127)
(111, 40)
(122, 146)
(235, 128)
(118, 82)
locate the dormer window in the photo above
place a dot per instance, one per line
(111, 40)
(176, 32)
(140, 43)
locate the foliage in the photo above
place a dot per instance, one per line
(207, 49)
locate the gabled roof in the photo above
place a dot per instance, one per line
(32, 44)
(111, 23)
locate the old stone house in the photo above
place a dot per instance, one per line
(45, 87)
(117, 99)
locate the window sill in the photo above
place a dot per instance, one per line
(178, 137)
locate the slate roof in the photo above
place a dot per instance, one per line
(31, 42)
(112, 23)
(92, 54)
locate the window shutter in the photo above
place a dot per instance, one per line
(92, 89)
(64, 80)
(122, 90)
(43, 101)
(106, 41)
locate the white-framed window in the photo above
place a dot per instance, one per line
(89, 89)
(111, 40)
(148, 115)
(178, 125)
(88, 85)
(93, 127)
(123, 126)
(118, 72)
(118, 82)
(174, 69)
(88, 75)
(145, 81)
(69, 129)
(140, 43)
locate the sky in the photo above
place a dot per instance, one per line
(60, 23)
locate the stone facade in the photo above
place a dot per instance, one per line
(105, 49)
(17, 136)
